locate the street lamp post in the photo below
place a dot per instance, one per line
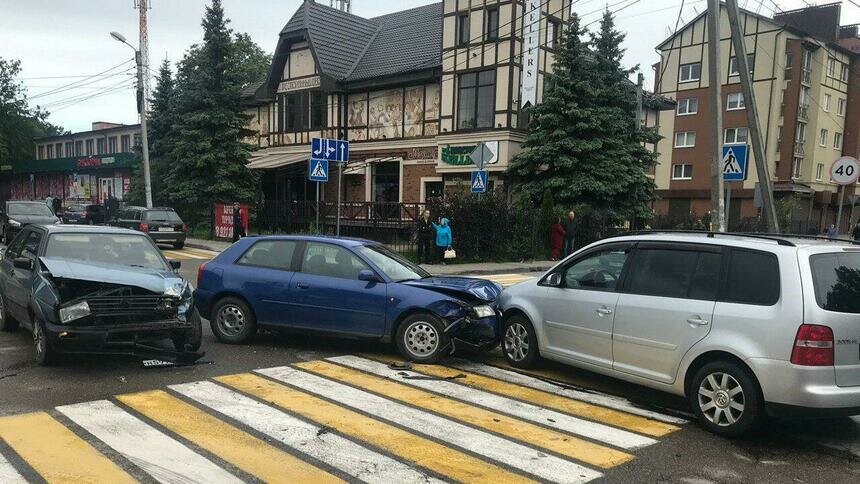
(141, 107)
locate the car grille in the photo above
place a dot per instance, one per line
(129, 305)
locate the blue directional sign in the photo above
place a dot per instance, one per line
(329, 149)
(318, 170)
(479, 181)
(734, 162)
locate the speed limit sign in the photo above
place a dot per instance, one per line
(845, 170)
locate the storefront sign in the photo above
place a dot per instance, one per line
(421, 154)
(224, 219)
(5, 167)
(461, 155)
(531, 44)
(87, 162)
(299, 84)
(108, 161)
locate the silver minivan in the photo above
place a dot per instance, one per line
(741, 325)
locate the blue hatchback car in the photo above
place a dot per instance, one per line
(347, 287)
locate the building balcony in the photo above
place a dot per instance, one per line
(803, 112)
(806, 76)
(798, 148)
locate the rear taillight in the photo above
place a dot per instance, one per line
(143, 227)
(200, 273)
(813, 346)
(183, 227)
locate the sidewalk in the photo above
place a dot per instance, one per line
(447, 270)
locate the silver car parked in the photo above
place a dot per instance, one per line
(743, 326)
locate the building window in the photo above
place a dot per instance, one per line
(733, 64)
(796, 167)
(831, 67)
(843, 74)
(735, 136)
(840, 107)
(735, 101)
(476, 99)
(49, 151)
(125, 143)
(682, 171)
(688, 106)
(685, 139)
(112, 144)
(822, 139)
(100, 146)
(79, 148)
(552, 28)
(690, 72)
(292, 111)
(463, 29)
(825, 105)
(492, 23)
(837, 141)
(385, 181)
(819, 170)
(89, 144)
(789, 59)
(319, 109)
(70, 148)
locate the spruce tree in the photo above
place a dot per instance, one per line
(209, 156)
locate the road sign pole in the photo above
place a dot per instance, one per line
(339, 172)
(318, 206)
(839, 212)
(716, 118)
(727, 218)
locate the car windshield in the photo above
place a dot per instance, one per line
(163, 216)
(392, 264)
(77, 208)
(30, 209)
(836, 278)
(121, 249)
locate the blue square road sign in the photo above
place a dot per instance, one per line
(479, 181)
(318, 170)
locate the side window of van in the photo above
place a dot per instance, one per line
(753, 278)
(675, 273)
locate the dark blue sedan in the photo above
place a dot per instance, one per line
(348, 287)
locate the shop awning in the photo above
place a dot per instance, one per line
(263, 161)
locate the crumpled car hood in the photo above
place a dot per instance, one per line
(481, 289)
(154, 280)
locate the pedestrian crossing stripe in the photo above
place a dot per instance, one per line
(345, 418)
(189, 254)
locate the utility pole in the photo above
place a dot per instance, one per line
(640, 80)
(718, 204)
(142, 58)
(762, 169)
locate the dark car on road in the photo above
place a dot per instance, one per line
(84, 214)
(17, 214)
(348, 287)
(162, 224)
(95, 290)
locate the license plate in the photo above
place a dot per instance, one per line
(165, 229)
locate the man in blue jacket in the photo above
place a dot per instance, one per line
(444, 237)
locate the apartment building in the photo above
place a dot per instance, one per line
(806, 84)
(80, 167)
(414, 91)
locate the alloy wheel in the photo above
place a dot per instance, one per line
(38, 339)
(721, 399)
(516, 342)
(231, 320)
(421, 338)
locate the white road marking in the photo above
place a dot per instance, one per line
(547, 467)
(608, 401)
(8, 474)
(160, 456)
(337, 451)
(182, 255)
(526, 411)
(12, 349)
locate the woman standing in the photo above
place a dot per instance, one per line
(444, 237)
(556, 238)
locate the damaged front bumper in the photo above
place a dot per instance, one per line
(478, 334)
(141, 339)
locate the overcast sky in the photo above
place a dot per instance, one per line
(71, 38)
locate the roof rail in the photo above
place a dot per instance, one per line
(817, 237)
(779, 239)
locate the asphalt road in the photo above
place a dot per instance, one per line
(813, 451)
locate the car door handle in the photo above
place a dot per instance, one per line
(697, 321)
(604, 311)
(302, 285)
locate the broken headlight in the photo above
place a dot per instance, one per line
(483, 311)
(185, 304)
(75, 311)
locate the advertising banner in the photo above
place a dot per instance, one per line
(223, 222)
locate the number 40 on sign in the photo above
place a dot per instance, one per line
(845, 170)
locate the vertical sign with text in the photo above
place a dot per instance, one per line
(531, 44)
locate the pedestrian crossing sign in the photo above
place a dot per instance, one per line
(318, 170)
(479, 181)
(734, 162)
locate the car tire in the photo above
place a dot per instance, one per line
(7, 322)
(45, 355)
(193, 337)
(178, 245)
(232, 321)
(421, 338)
(519, 342)
(726, 399)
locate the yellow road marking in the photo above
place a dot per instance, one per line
(559, 442)
(574, 407)
(176, 254)
(56, 453)
(200, 252)
(242, 449)
(423, 452)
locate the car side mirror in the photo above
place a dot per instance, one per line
(367, 275)
(175, 264)
(23, 263)
(554, 280)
